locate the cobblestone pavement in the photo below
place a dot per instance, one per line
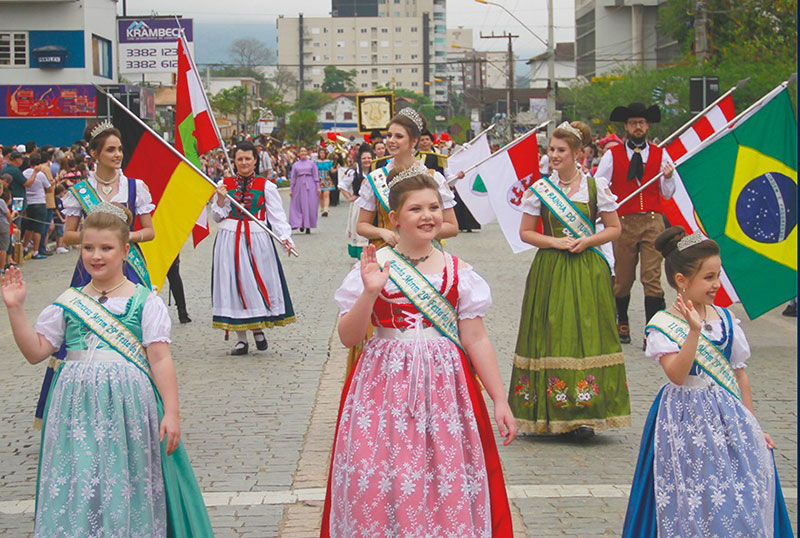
(258, 428)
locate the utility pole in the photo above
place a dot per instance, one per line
(700, 31)
(551, 69)
(510, 70)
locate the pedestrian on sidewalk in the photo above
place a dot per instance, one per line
(569, 371)
(110, 462)
(414, 452)
(324, 166)
(305, 191)
(628, 167)
(705, 466)
(249, 291)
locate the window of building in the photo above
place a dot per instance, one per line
(384, 30)
(325, 30)
(414, 69)
(329, 115)
(398, 56)
(340, 30)
(364, 85)
(340, 44)
(384, 71)
(101, 57)
(13, 49)
(316, 70)
(326, 57)
(347, 115)
(414, 56)
(315, 31)
(339, 58)
(398, 29)
(316, 85)
(399, 84)
(397, 14)
(384, 43)
(413, 43)
(399, 70)
(364, 71)
(413, 29)
(363, 30)
(385, 57)
(363, 43)
(316, 44)
(364, 58)
(415, 84)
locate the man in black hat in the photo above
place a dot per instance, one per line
(628, 167)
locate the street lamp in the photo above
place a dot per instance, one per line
(551, 56)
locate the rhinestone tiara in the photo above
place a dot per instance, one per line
(570, 129)
(107, 207)
(414, 116)
(691, 240)
(104, 125)
(416, 169)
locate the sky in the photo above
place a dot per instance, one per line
(467, 13)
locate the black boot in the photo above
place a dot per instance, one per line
(183, 316)
(261, 340)
(623, 325)
(652, 305)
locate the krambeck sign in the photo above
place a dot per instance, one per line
(150, 45)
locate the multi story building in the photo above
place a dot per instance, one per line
(404, 46)
(51, 52)
(616, 33)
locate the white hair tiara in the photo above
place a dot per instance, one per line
(691, 240)
(570, 129)
(107, 207)
(416, 169)
(101, 127)
(414, 116)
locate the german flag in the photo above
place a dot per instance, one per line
(179, 191)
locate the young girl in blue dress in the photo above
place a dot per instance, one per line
(111, 462)
(705, 466)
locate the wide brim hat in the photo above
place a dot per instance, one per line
(636, 110)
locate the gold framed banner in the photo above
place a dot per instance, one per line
(374, 111)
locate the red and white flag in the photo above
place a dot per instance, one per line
(679, 209)
(507, 175)
(194, 125)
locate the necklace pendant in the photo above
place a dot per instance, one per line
(106, 189)
(102, 299)
(707, 326)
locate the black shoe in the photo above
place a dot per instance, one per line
(302, 230)
(583, 432)
(624, 331)
(240, 348)
(261, 341)
(308, 231)
(790, 310)
(644, 343)
(183, 317)
(324, 213)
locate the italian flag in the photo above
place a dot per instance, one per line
(506, 176)
(194, 128)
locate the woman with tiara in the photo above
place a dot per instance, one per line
(248, 287)
(106, 184)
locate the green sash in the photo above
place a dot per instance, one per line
(380, 186)
(187, 516)
(88, 198)
(562, 207)
(709, 358)
(422, 294)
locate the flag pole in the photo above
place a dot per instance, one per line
(508, 146)
(465, 145)
(702, 113)
(205, 98)
(719, 133)
(186, 161)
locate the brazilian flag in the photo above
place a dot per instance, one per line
(744, 190)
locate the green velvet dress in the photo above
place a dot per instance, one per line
(102, 469)
(569, 370)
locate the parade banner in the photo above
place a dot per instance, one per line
(507, 175)
(48, 101)
(374, 111)
(471, 188)
(743, 184)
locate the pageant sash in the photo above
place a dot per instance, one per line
(88, 198)
(709, 357)
(422, 294)
(562, 207)
(106, 326)
(380, 186)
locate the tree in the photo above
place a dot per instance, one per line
(312, 100)
(250, 52)
(284, 81)
(233, 102)
(338, 80)
(302, 127)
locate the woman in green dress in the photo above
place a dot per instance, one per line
(569, 371)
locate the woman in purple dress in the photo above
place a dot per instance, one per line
(305, 191)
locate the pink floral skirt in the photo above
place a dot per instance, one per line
(408, 457)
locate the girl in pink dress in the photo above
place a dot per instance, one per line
(414, 452)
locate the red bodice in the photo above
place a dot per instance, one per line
(395, 311)
(647, 200)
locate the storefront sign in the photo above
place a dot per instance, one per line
(151, 45)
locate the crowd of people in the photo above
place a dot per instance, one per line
(414, 451)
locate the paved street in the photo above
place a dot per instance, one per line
(258, 428)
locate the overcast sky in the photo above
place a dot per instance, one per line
(467, 13)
